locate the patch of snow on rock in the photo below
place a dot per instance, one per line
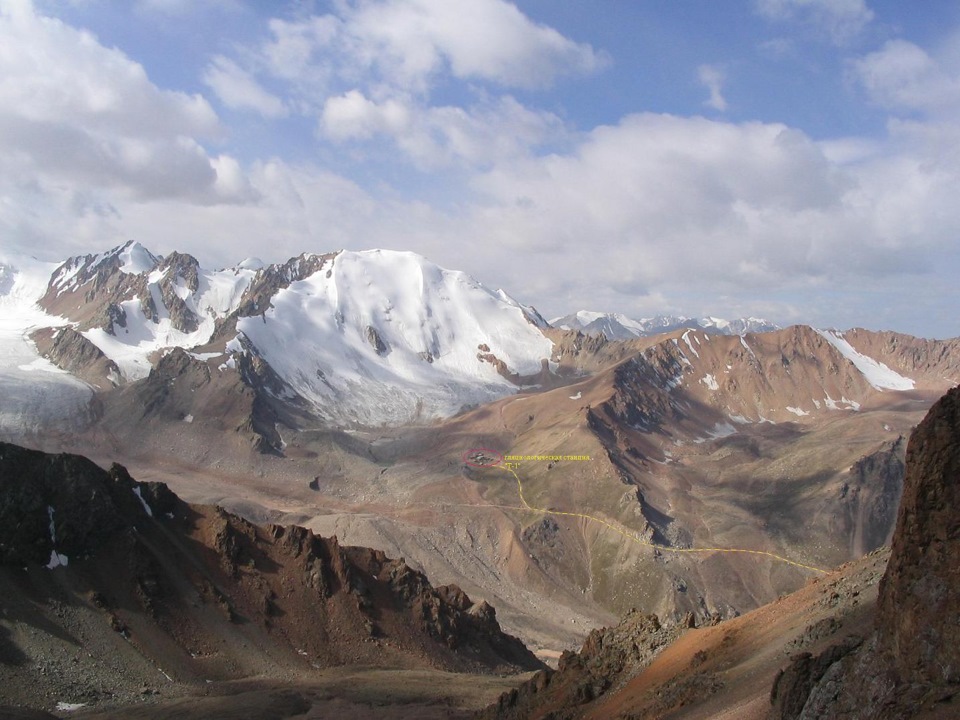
(146, 507)
(69, 707)
(720, 430)
(876, 373)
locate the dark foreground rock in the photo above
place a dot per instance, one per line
(114, 591)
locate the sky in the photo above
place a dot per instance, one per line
(797, 160)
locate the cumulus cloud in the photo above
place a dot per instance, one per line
(678, 206)
(903, 77)
(410, 44)
(50, 71)
(303, 52)
(74, 110)
(839, 20)
(353, 116)
(408, 41)
(368, 71)
(712, 78)
(434, 137)
(238, 89)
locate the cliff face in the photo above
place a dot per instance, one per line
(910, 665)
(918, 611)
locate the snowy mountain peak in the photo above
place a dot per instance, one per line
(136, 259)
(616, 326)
(384, 336)
(251, 263)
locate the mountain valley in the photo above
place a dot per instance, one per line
(344, 392)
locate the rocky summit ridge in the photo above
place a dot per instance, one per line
(617, 326)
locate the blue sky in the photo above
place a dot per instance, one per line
(794, 159)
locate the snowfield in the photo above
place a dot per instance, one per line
(388, 337)
(371, 338)
(34, 393)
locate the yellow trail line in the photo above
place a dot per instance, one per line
(637, 539)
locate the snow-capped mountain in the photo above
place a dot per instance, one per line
(340, 339)
(394, 338)
(616, 326)
(373, 337)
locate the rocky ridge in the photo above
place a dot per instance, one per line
(112, 585)
(609, 657)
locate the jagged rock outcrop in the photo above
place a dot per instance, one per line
(919, 604)
(180, 273)
(71, 351)
(201, 593)
(608, 658)
(910, 665)
(91, 290)
(63, 504)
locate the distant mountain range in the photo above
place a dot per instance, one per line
(617, 326)
(349, 339)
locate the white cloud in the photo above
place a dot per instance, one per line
(406, 46)
(662, 204)
(902, 76)
(410, 40)
(50, 71)
(238, 89)
(433, 137)
(352, 116)
(295, 51)
(838, 20)
(75, 111)
(712, 78)
(368, 72)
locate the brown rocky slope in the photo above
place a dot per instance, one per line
(910, 665)
(854, 646)
(112, 590)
